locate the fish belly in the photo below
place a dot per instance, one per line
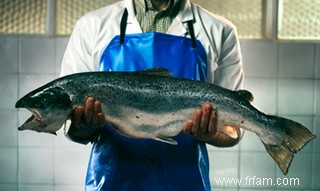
(142, 124)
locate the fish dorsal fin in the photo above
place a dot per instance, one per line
(246, 94)
(156, 71)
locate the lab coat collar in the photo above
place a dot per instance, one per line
(177, 26)
(185, 14)
(133, 25)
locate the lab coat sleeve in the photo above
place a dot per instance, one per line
(78, 54)
(229, 73)
(78, 58)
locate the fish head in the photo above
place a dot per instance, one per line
(50, 108)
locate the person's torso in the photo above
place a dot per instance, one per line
(206, 27)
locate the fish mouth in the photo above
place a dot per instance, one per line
(34, 122)
(36, 114)
(30, 120)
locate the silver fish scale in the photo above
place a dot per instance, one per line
(140, 105)
(158, 94)
(130, 89)
(137, 92)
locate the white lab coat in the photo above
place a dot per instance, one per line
(94, 31)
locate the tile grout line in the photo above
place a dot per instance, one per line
(18, 117)
(313, 162)
(277, 97)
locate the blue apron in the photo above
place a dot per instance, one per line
(118, 163)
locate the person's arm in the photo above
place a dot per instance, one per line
(78, 54)
(203, 127)
(86, 119)
(229, 74)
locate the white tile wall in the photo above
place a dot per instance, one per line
(8, 187)
(8, 164)
(284, 78)
(264, 91)
(296, 97)
(37, 55)
(316, 171)
(251, 142)
(317, 96)
(296, 60)
(9, 90)
(223, 165)
(9, 55)
(316, 142)
(36, 165)
(317, 61)
(70, 166)
(8, 128)
(68, 188)
(256, 165)
(36, 187)
(61, 44)
(260, 59)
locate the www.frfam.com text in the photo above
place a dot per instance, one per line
(256, 181)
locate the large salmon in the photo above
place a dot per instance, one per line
(147, 105)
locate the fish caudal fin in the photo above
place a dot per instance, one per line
(296, 137)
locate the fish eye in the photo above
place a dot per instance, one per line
(37, 104)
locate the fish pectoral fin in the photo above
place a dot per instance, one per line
(166, 140)
(66, 126)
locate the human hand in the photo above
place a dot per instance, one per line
(203, 127)
(91, 113)
(87, 120)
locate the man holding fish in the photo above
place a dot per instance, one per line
(134, 35)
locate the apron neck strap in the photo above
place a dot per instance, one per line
(191, 31)
(123, 26)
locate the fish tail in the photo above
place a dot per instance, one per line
(295, 138)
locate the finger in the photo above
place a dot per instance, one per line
(212, 128)
(88, 109)
(196, 122)
(96, 110)
(101, 120)
(187, 127)
(78, 115)
(205, 119)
